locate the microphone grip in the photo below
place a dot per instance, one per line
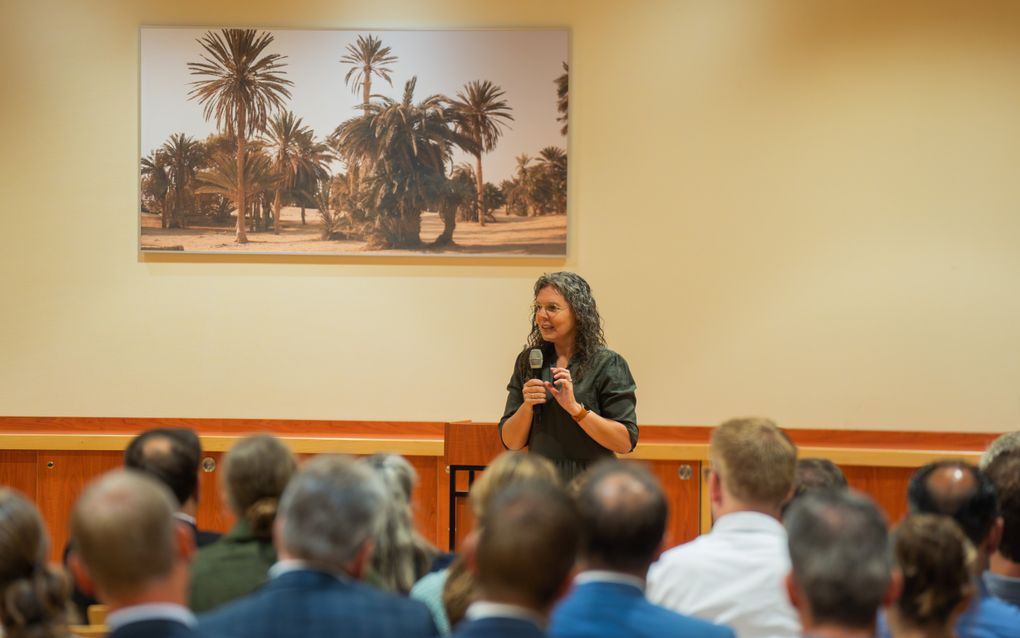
(536, 411)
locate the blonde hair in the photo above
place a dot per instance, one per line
(937, 561)
(755, 460)
(509, 467)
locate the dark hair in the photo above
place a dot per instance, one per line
(34, 599)
(1004, 472)
(813, 474)
(175, 465)
(256, 471)
(528, 543)
(839, 551)
(973, 509)
(590, 337)
(937, 563)
(623, 514)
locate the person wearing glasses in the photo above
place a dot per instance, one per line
(579, 407)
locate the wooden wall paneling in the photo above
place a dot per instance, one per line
(214, 512)
(18, 471)
(887, 485)
(442, 497)
(681, 481)
(62, 475)
(423, 500)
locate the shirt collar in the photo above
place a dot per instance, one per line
(150, 611)
(605, 576)
(289, 565)
(486, 609)
(190, 520)
(748, 522)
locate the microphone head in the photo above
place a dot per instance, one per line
(535, 358)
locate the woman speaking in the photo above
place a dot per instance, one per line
(574, 404)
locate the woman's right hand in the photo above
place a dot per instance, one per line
(533, 392)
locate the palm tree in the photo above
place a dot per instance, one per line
(221, 178)
(184, 155)
(553, 162)
(368, 57)
(562, 86)
(408, 146)
(522, 181)
(480, 115)
(241, 87)
(314, 156)
(282, 135)
(156, 185)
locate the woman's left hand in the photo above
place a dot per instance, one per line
(562, 389)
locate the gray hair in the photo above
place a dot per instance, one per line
(839, 549)
(590, 337)
(400, 555)
(1006, 442)
(329, 510)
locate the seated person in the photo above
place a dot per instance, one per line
(255, 472)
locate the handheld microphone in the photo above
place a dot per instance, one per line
(535, 361)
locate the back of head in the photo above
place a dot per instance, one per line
(400, 555)
(527, 545)
(956, 489)
(1005, 443)
(839, 550)
(755, 460)
(506, 469)
(937, 562)
(1004, 472)
(171, 456)
(818, 474)
(124, 532)
(256, 471)
(331, 507)
(33, 597)
(622, 511)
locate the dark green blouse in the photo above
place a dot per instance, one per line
(606, 388)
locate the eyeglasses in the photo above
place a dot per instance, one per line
(550, 310)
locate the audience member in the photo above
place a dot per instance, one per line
(1003, 575)
(1004, 443)
(328, 516)
(841, 569)
(172, 457)
(937, 564)
(734, 574)
(525, 551)
(623, 514)
(133, 554)
(452, 590)
(963, 492)
(33, 597)
(255, 472)
(814, 474)
(401, 555)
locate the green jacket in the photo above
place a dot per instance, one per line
(230, 568)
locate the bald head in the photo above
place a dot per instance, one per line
(623, 517)
(959, 490)
(124, 532)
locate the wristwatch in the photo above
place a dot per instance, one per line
(583, 412)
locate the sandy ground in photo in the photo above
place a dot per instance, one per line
(510, 235)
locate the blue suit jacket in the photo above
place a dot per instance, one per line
(313, 604)
(498, 628)
(602, 609)
(154, 629)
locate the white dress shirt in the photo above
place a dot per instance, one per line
(731, 576)
(150, 611)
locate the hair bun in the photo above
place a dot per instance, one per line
(260, 517)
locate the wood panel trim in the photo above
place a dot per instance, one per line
(840, 455)
(222, 443)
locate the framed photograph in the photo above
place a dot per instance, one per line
(353, 142)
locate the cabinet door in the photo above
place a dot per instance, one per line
(887, 485)
(17, 471)
(62, 475)
(681, 481)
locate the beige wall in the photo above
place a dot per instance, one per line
(786, 210)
